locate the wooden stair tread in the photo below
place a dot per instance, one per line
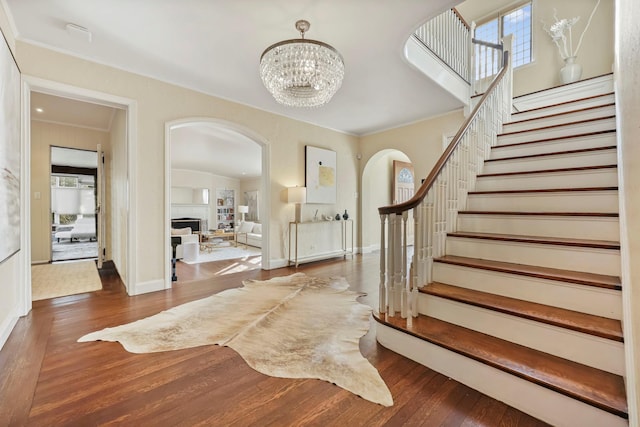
(564, 113)
(562, 241)
(555, 153)
(545, 190)
(541, 128)
(577, 277)
(533, 172)
(556, 138)
(519, 213)
(595, 387)
(586, 323)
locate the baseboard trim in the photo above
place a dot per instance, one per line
(7, 327)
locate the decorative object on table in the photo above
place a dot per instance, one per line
(338, 216)
(561, 35)
(345, 215)
(297, 195)
(286, 71)
(315, 216)
(327, 217)
(283, 343)
(320, 175)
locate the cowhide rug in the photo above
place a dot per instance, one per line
(295, 326)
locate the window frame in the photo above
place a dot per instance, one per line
(499, 16)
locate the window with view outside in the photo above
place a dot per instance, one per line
(516, 22)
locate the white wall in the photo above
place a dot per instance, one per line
(250, 184)
(197, 179)
(117, 203)
(627, 85)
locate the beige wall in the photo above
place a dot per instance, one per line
(595, 54)
(158, 103)
(421, 142)
(43, 137)
(627, 86)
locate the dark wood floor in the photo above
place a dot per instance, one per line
(48, 379)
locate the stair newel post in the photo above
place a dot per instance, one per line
(404, 283)
(507, 84)
(382, 290)
(391, 306)
(418, 255)
(397, 252)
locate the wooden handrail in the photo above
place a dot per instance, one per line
(487, 44)
(466, 24)
(428, 183)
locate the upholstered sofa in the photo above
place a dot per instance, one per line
(83, 228)
(249, 233)
(186, 236)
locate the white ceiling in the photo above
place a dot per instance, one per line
(214, 46)
(54, 109)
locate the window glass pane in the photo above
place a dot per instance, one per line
(486, 60)
(67, 181)
(518, 23)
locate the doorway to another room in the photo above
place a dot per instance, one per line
(73, 204)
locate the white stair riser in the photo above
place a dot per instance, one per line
(599, 353)
(563, 108)
(557, 132)
(568, 117)
(571, 201)
(571, 296)
(576, 227)
(566, 93)
(552, 146)
(547, 405)
(590, 260)
(591, 158)
(549, 180)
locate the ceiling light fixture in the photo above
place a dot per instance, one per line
(39, 110)
(302, 72)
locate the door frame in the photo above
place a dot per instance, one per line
(37, 84)
(265, 187)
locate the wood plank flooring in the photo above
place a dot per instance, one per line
(48, 379)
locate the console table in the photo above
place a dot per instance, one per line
(346, 233)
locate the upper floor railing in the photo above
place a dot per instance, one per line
(435, 205)
(448, 37)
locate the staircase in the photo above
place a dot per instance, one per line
(526, 303)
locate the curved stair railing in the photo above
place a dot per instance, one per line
(448, 36)
(434, 207)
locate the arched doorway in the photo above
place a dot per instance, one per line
(377, 191)
(236, 159)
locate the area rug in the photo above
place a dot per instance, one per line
(295, 326)
(61, 279)
(222, 253)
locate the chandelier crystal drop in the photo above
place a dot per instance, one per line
(301, 72)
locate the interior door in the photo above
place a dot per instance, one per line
(403, 181)
(100, 204)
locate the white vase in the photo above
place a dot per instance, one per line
(571, 71)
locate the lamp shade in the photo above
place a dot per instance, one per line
(297, 194)
(243, 209)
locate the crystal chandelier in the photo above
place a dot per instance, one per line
(301, 72)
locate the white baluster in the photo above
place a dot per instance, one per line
(382, 289)
(404, 283)
(390, 264)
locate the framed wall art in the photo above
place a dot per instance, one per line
(320, 175)
(9, 153)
